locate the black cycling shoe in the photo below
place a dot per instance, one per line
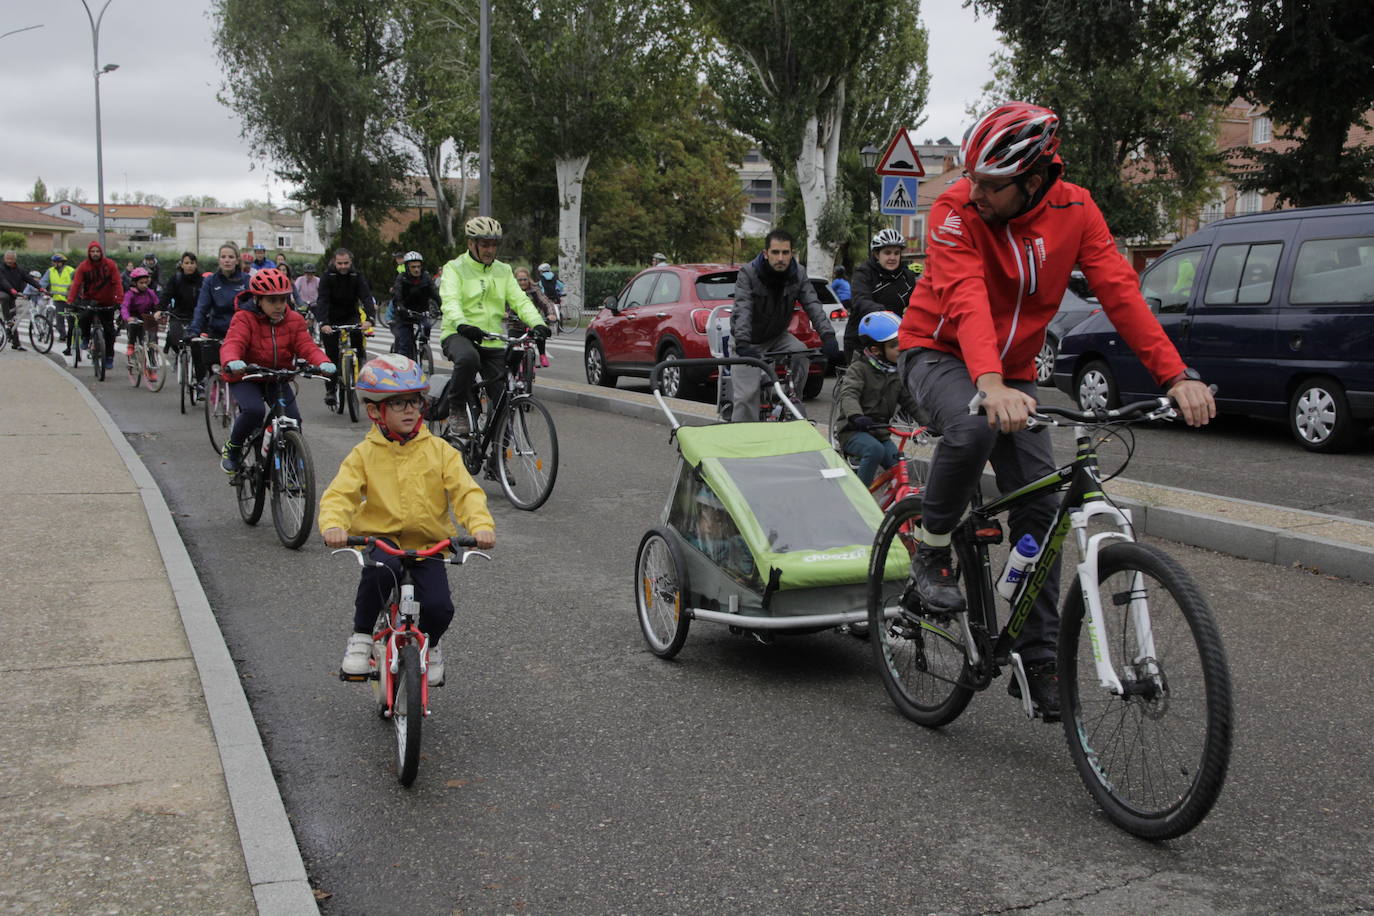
(1044, 688)
(932, 575)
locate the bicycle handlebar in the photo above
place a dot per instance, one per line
(385, 546)
(252, 373)
(1160, 408)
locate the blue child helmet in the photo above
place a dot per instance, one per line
(878, 327)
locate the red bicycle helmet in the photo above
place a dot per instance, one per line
(269, 282)
(1010, 140)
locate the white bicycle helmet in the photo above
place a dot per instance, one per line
(887, 238)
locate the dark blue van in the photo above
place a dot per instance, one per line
(1276, 309)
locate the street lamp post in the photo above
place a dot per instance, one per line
(869, 156)
(98, 72)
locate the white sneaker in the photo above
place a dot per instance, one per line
(357, 655)
(436, 666)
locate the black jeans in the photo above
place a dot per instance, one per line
(468, 358)
(941, 385)
(330, 343)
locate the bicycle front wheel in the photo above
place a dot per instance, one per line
(922, 659)
(1155, 756)
(250, 483)
(219, 410)
(527, 464)
(153, 369)
(97, 350)
(40, 333)
(184, 381)
(407, 714)
(293, 489)
(347, 377)
(135, 367)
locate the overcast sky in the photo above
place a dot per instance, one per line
(164, 133)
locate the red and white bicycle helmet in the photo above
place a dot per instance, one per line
(389, 375)
(269, 282)
(1010, 140)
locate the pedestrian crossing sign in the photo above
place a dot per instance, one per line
(899, 195)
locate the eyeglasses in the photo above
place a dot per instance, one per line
(986, 186)
(415, 402)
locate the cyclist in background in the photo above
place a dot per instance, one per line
(260, 260)
(13, 279)
(975, 322)
(267, 332)
(549, 284)
(97, 282)
(140, 305)
(476, 289)
(154, 269)
(215, 308)
(401, 483)
(307, 288)
(57, 280)
(840, 287)
(870, 394)
(341, 291)
(416, 292)
(882, 283)
(179, 296)
(541, 302)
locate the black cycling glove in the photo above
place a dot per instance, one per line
(472, 332)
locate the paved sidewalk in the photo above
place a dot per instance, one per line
(133, 777)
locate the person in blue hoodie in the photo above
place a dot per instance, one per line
(215, 308)
(765, 290)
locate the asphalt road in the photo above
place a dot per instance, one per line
(1240, 457)
(567, 770)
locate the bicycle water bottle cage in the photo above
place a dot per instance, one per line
(990, 533)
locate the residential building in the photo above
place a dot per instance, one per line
(764, 193)
(41, 231)
(287, 229)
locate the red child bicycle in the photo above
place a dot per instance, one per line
(400, 650)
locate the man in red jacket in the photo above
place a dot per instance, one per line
(97, 282)
(1002, 243)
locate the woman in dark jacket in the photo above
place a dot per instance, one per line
(179, 296)
(881, 283)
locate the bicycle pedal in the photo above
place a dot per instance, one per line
(344, 676)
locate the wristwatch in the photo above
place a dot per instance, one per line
(1189, 374)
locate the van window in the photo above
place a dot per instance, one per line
(1168, 282)
(1242, 274)
(1335, 271)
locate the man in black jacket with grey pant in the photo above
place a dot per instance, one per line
(765, 290)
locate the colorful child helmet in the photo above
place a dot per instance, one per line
(877, 328)
(269, 282)
(389, 375)
(138, 273)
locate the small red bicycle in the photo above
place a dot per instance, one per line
(400, 650)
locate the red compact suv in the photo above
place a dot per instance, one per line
(661, 314)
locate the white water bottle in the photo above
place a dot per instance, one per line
(1020, 559)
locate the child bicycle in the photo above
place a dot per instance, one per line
(400, 650)
(276, 455)
(1144, 686)
(517, 444)
(144, 360)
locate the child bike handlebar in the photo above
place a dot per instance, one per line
(451, 543)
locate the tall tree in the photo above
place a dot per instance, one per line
(39, 194)
(784, 68)
(1310, 63)
(583, 74)
(1139, 125)
(439, 96)
(673, 192)
(320, 97)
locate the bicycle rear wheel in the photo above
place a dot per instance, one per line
(572, 317)
(407, 714)
(527, 463)
(293, 489)
(923, 660)
(1155, 757)
(425, 356)
(219, 410)
(40, 333)
(250, 483)
(154, 370)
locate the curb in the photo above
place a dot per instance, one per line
(275, 869)
(1159, 514)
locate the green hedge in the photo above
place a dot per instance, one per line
(607, 280)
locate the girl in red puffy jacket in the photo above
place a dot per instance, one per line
(264, 332)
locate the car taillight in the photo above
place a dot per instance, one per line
(699, 318)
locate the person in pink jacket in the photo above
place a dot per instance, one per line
(140, 308)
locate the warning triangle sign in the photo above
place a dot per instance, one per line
(901, 158)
